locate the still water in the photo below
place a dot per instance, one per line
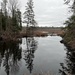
(35, 55)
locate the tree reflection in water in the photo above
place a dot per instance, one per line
(29, 52)
(10, 55)
(69, 68)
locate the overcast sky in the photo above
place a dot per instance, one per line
(48, 12)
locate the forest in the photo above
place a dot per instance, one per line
(35, 50)
(10, 19)
(69, 35)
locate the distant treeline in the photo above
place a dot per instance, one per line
(46, 29)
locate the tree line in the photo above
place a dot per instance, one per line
(29, 18)
(70, 23)
(10, 17)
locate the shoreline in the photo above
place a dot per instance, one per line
(16, 37)
(11, 37)
(70, 45)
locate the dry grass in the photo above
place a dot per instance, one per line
(36, 34)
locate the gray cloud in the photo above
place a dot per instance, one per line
(51, 12)
(48, 12)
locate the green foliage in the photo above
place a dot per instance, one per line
(2, 21)
(19, 20)
(70, 28)
(10, 23)
(14, 24)
(29, 15)
(70, 23)
(29, 18)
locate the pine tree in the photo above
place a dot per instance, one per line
(1, 19)
(70, 23)
(19, 19)
(10, 23)
(4, 9)
(29, 17)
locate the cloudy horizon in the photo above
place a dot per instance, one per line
(48, 12)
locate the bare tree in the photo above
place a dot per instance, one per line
(13, 6)
(4, 6)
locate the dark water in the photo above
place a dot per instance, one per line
(35, 56)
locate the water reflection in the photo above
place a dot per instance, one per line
(10, 55)
(12, 62)
(69, 67)
(31, 44)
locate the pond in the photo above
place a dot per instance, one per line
(35, 55)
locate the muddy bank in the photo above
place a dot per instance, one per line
(35, 34)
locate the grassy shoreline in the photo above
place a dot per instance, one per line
(16, 37)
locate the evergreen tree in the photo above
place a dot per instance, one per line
(29, 17)
(14, 21)
(10, 23)
(0, 20)
(19, 19)
(4, 9)
(70, 23)
(16, 16)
